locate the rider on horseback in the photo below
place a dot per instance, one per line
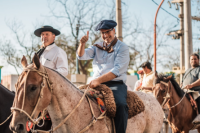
(191, 80)
(149, 77)
(110, 63)
(50, 54)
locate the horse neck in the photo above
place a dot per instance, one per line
(174, 99)
(64, 93)
(65, 97)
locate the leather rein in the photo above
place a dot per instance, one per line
(45, 76)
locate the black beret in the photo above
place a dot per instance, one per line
(46, 28)
(106, 24)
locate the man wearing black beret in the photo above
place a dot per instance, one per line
(110, 64)
(50, 54)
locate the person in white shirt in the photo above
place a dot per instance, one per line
(50, 54)
(149, 77)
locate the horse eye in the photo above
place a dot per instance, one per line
(33, 88)
(163, 91)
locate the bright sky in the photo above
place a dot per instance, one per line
(34, 12)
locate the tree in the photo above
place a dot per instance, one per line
(141, 44)
(24, 44)
(10, 54)
(75, 14)
(80, 16)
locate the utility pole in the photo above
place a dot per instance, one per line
(179, 34)
(187, 32)
(77, 79)
(182, 55)
(77, 32)
(155, 34)
(0, 73)
(119, 19)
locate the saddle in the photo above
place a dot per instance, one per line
(134, 103)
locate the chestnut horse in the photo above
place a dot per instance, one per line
(181, 113)
(39, 87)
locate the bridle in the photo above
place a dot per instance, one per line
(167, 97)
(35, 121)
(46, 80)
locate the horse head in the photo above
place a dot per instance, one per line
(33, 94)
(162, 89)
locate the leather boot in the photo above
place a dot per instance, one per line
(197, 119)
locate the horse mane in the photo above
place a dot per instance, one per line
(177, 88)
(64, 78)
(31, 65)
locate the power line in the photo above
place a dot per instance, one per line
(167, 11)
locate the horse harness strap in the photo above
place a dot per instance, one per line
(6, 119)
(168, 96)
(94, 118)
(87, 127)
(45, 76)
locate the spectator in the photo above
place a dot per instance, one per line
(138, 83)
(149, 77)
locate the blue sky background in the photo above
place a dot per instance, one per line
(34, 12)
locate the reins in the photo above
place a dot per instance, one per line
(6, 119)
(36, 121)
(168, 96)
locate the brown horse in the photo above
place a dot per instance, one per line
(39, 87)
(181, 113)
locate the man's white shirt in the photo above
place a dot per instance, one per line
(55, 58)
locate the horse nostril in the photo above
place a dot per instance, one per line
(11, 128)
(19, 127)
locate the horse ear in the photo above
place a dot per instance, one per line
(36, 61)
(169, 77)
(24, 62)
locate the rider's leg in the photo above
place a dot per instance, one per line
(197, 119)
(198, 104)
(120, 93)
(121, 116)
